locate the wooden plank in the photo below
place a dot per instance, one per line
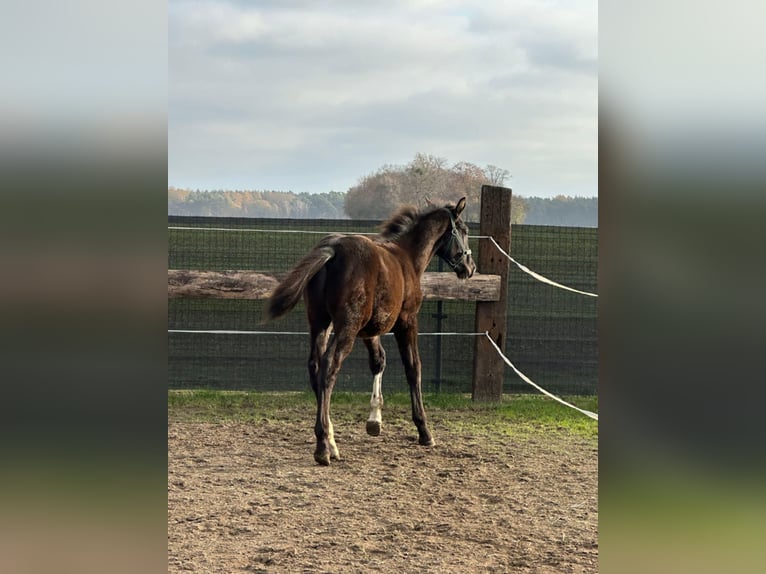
(257, 285)
(194, 284)
(447, 287)
(488, 367)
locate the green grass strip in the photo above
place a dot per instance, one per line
(515, 414)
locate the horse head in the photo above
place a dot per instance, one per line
(453, 247)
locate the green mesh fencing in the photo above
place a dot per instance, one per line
(552, 333)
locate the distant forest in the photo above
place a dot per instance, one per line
(426, 180)
(224, 203)
(561, 210)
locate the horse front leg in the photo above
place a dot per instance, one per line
(407, 340)
(377, 365)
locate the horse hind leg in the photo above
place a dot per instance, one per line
(320, 333)
(377, 366)
(319, 336)
(332, 361)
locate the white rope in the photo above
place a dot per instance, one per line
(233, 332)
(273, 230)
(537, 275)
(524, 268)
(182, 227)
(535, 385)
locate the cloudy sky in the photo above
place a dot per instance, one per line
(311, 96)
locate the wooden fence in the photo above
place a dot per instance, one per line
(488, 288)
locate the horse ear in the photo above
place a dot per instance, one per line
(460, 206)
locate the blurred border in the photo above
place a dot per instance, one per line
(83, 214)
(83, 299)
(681, 148)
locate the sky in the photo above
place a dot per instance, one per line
(311, 96)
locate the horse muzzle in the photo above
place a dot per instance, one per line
(466, 268)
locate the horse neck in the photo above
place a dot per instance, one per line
(420, 242)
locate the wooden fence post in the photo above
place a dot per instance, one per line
(488, 367)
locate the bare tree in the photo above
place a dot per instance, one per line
(425, 178)
(496, 175)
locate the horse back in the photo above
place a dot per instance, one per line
(367, 284)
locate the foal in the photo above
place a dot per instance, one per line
(362, 287)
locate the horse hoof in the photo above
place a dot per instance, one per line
(335, 455)
(322, 458)
(373, 428)
(426, 441)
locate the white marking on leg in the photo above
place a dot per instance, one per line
(334, 453)
(376, 402)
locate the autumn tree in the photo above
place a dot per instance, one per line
(376, 194)
(426, 179)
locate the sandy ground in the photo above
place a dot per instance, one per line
(249, 498)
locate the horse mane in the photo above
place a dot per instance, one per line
(402, 220)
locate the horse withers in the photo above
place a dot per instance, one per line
(365, 287)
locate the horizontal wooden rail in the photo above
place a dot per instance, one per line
(256, 285)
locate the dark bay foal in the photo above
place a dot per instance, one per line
(356, 286)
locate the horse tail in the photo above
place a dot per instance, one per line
(289, 291)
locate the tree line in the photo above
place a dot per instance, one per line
(226, 203)
(426, 179)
